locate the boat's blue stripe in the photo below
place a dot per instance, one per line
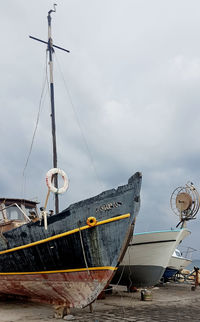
(158, 231)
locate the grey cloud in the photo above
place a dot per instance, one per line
(133, 74)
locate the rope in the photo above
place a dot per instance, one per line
(36, 126)
(79, 125)
(84, 256)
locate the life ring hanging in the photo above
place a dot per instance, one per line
(91, 221)
(49, 183)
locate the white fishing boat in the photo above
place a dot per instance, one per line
(147, 257)
(178, 261)
(149, 253)
(176, 264)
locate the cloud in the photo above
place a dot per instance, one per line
(133, 77)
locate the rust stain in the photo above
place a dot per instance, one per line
(75, 289)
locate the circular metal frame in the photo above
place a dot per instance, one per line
(184, 202)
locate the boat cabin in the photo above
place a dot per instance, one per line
(16, 212)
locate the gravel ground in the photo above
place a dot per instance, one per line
(172, 302)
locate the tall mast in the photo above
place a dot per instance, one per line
(53, 122)
(50, 48)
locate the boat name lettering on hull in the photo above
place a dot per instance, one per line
(109, 206)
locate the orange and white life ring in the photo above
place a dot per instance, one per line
(49, 183)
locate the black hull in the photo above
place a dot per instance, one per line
(69, 245)
(138, 275)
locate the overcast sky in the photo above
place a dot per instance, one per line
(127, 100)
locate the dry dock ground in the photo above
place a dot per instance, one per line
(172, 302)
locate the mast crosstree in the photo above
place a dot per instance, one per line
(50, 49)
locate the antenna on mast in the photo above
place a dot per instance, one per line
(50, 11)
(50, 48)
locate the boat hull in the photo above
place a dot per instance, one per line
(179, 263)
(138, 275)
(64, 288)
(147, 257)
(70, 250)
(176, 264)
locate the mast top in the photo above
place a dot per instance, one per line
(50, 11)
(49, 23)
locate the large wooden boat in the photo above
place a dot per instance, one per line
(72, 261)
(67, 258)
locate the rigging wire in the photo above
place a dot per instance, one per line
(84, 255)
(36, 124)
(79, 125)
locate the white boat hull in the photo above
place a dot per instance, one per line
(179, 263)
(147, 257)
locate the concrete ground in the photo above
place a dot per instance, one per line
(172, 302)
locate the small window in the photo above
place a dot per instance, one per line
(178, 253)
(13, 213)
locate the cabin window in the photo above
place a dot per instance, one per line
(13, 213)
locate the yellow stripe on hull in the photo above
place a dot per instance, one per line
(110, 268)
(70, 232)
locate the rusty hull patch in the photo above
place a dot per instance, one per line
(74, 289)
